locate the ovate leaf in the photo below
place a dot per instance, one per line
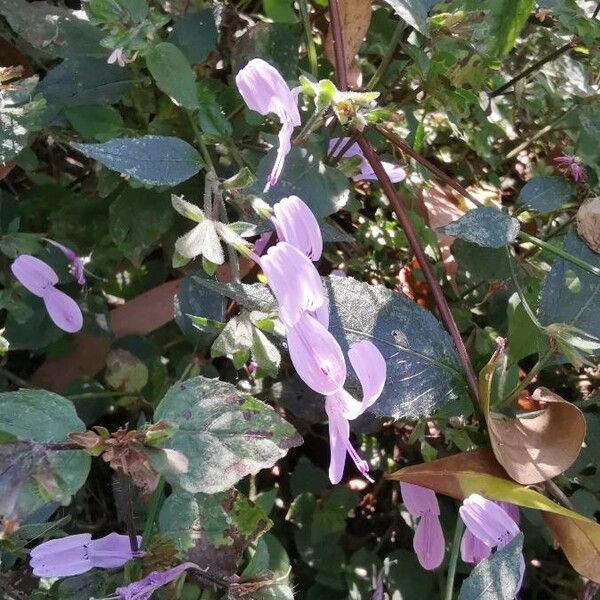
(212, 530)
(545, 193)
(478, 472)
(151, 159)
(506, 20)
(224, 433)
(485, 226)
(414, 12)
(173, 74)
(496, 577)
(195, 35)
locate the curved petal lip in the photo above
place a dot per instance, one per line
(34, 274)
(63, 310)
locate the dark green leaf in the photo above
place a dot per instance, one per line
(138, 218)
(210, 115)
(486, 227)
(414, 12)
(151, 159)
(404, 574)
(496, 577)
(571, 295)
(93, 584)
(477, 264)
(212, 530)
(224, 433)
(81, 81)
(197, 300)
(95, 122)
(195, 35)
(323, 188)
(280, 11)
(20, 114)
(173, 74)
(506, 20)
(40, 416)
(545, 193)
(423, 368)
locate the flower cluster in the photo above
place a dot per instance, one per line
(571, 165)
(304, 311)
(489, 525)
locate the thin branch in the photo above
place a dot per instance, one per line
(437, 172)
(534, 67)
(128, 511)
(401, 212)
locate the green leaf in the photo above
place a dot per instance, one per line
(506, 20)
(173, 74)
(575, 305)
(211, 118)
(224, 433)
(95, 122)
(403, 573)
(196, 35)
(83, 81)
(414, 12)
(20, 114)
(485, 226)
(93, 584)
(33, 474)
(324, 189)
(197, 300)
(151, 159)
(496, 577)
(545, 193)
(423, 368)
(477, 263)
(212, 530)
(138, 219)
(280, 11)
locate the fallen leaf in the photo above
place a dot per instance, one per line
(355, 17)
(478, 472)
(533, 447)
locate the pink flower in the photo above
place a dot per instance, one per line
(295, 223)
(571, 165)
(370, 368)
(428, 542)
(294, 281)
(76, 554)
(119, 57)
(75, 262)
(490, 524)
(40, 279)
(265, 91)
(395, 172)
(144, 588)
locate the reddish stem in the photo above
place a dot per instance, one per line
(401, 212)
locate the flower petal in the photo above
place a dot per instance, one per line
(294, 281)
(61, 557)
(339, 432)
(472, 549)
(190, 244)
(34, 274)
(429, 542)
(317, 357)
(295, 223)
(211, 247)
(419, 500)
(63, 310)
(111, 551)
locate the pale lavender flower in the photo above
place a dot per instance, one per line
(295, 223)
(472, 549)
(394, 172)
(490, 523)
(316, 355)
(119, 57)
(75, 262)
(370, 368)
(571, 165)
(265, 91)
(76, 554)
(145, 587)
(428, 542)
(260, 245)
(294, 281)
(40, 279)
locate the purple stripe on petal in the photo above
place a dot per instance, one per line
(34, 274)
(63, 310)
